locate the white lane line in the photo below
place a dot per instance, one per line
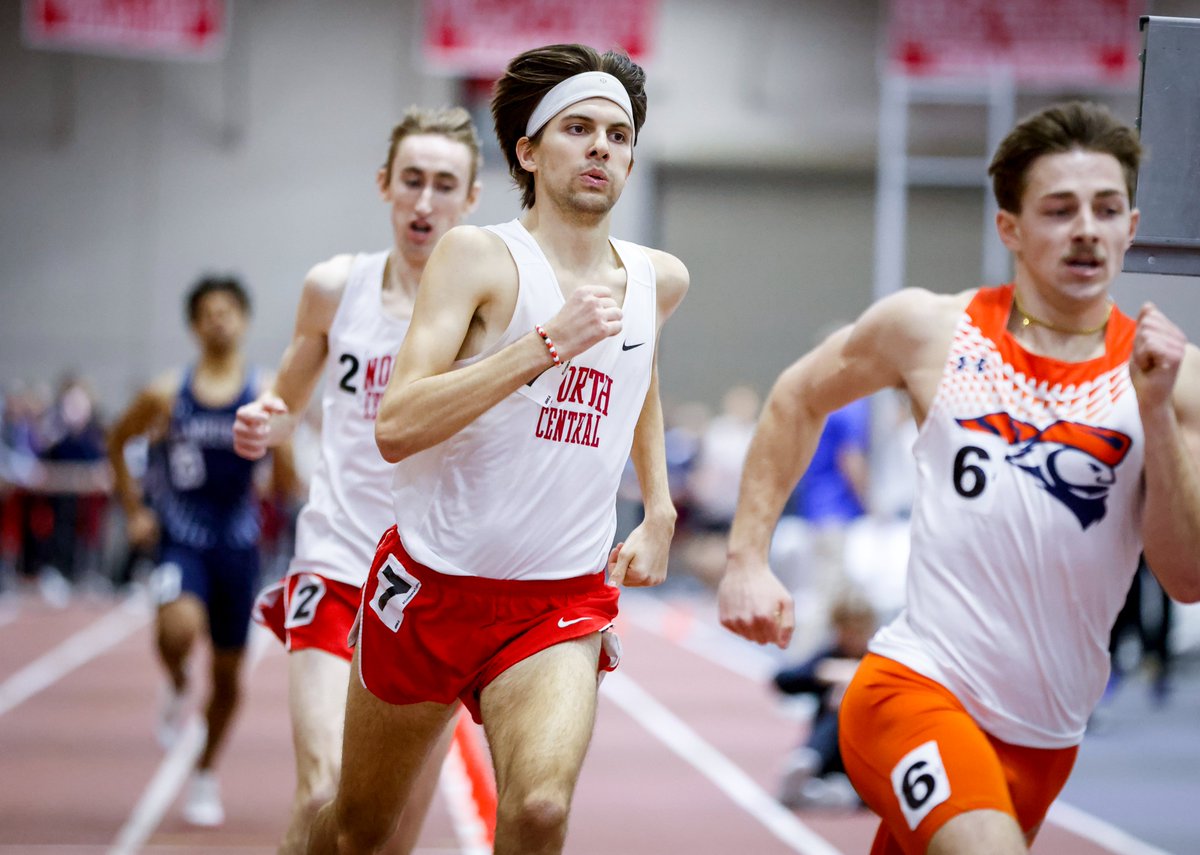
(727, 776)
(177, 764)
(1098, 831)
(455, 785)
(161, 791)
(94, 640)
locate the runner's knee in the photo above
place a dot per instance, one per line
(539, 816)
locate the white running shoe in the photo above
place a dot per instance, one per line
(170, 716)
(799, 770)
(203, 804)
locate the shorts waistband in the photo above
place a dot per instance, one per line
(499, 587)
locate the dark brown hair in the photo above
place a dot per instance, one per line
(1054, 130)
(532, 74)
(230, 285)
(454, 123)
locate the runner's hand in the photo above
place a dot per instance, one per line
(1158, 348)
(754, 604)
(141, 528)
(252, 429)
(590, 315)
(641, 561)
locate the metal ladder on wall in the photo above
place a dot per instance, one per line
(899, 168)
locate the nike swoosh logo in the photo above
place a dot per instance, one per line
(565, 623)
(625, 346)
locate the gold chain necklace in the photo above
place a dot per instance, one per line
(1029, 320)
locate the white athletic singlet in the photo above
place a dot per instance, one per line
(528, 489)
(349, 500)
(1026, 529)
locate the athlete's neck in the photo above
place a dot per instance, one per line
(1069, 336)
(578, 247)
(218, 378)
(221, 364)
(401, 278)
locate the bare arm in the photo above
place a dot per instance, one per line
(469, 272)
(888, 346)
(271, 418)
(149, 414)
(642, 559)
(1166, 375)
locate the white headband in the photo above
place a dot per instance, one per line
(580, 87)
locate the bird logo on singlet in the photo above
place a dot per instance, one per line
(1075, 463)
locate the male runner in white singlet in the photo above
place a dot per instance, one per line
(353, 315)
(1057, 437)
(527, 378)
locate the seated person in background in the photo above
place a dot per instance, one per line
(813, 774)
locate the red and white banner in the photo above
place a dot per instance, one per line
(477, 38)
(165, 29)
(1080, 41)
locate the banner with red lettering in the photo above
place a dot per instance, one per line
(477, 38)
(163, 29)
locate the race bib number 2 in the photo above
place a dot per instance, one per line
(396, 588)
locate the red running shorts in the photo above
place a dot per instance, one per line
(307, 611)
(429, 636)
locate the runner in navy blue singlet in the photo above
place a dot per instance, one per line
(198, 504)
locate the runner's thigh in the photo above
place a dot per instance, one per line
(539, 714)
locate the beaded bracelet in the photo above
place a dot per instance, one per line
(549, 343)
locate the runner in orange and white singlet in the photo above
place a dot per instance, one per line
(1058, 438)
(353, 316)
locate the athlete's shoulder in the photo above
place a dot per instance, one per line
(157, 398)
(915, 312)
(167, 385)
(470, 259)
(909, 328)
(324, 286)
(667, 268)
(326, 280)
(908, 301)
(471, 240)
(671, 277)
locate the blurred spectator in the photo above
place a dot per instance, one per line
(28, 519)
(75, 479)
(685, 429)
(814, 775)
(717, 471)
(712, 486)
(893, 467)
(1146, 616)
(808, 549)
(833, 492)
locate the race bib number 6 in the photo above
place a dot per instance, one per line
(920, 783)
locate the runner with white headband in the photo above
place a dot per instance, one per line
(526, 382)
(581, 87)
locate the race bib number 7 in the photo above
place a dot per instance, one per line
(396, 589)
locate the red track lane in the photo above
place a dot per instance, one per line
(78, 756)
